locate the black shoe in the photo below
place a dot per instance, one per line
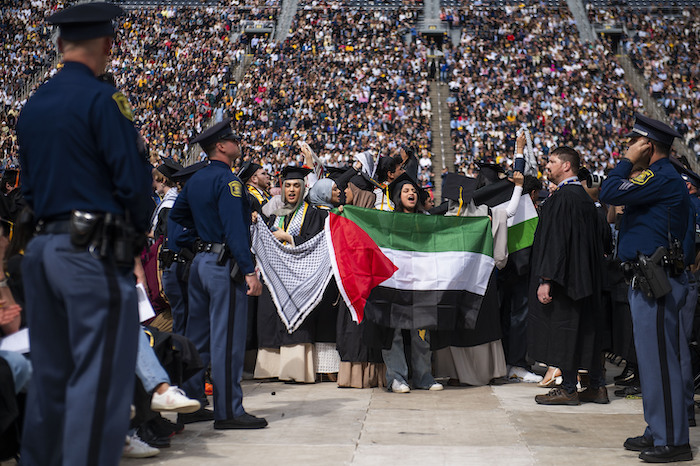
(146, 433)
(667, 454)
(244, 421)
(201, 415)
(634, 381)
(634, 390)
(627, 374)
(692, 423)
(558, 396)
(166, 428)
(640, 443)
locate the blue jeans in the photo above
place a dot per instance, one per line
(21, 369)
(148, 368)
(397, 367)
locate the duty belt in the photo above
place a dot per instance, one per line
(169, 257)
(216, 248)
(55, 227)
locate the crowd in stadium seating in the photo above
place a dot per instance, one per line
(525, 65)
(665, 51)
(26, 49)
(345, 82)
(176, 67)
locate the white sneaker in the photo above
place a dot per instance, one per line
(399, 387)
(436, 387)
(523, 375)
(174, 400)
(137, 448)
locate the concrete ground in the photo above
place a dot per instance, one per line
(321, 424)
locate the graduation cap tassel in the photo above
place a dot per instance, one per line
(461, 202)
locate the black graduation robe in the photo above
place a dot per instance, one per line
(569, 250)
(319, 325)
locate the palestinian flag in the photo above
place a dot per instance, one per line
(411, 270)
(521, 227)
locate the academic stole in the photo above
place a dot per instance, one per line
(295, 224)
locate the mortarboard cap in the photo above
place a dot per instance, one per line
(396, 185)
(362, 181)
(653, 129)
(490, 170)
(458, 186)
(336, 172)
(247, 170)
(86, 20)
(188, 171)
(344, 178)
(295, 173)
(169, 167)
(216, 133)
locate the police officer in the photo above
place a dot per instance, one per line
(82, 309)
(176, 258)
(214, 203)
(657, 212)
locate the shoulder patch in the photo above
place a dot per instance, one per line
(643, 177)
(123, 105)
(236, 188)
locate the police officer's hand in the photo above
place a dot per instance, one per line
(254, 285)
(639, 151)
(544, 293)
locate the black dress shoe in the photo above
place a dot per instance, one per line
(146, 433)
(634, 390)
(667, 454)
(640, 443)
(244, 421)
(201, 415)
(692, 423)
(165, 428)
(627, 374)
(594, 395)
(632, 382)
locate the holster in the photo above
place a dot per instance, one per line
(650, 276)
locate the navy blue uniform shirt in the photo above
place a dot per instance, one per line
(653, 200)
(215, 204)
(78, 150)
(179, 237)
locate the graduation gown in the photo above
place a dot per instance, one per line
(319, 325)
(568, 250)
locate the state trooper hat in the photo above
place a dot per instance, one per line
(215, 134)
(653, 129)
(247, 170)
(86, 20)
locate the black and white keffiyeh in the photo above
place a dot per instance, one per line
(296, 276)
